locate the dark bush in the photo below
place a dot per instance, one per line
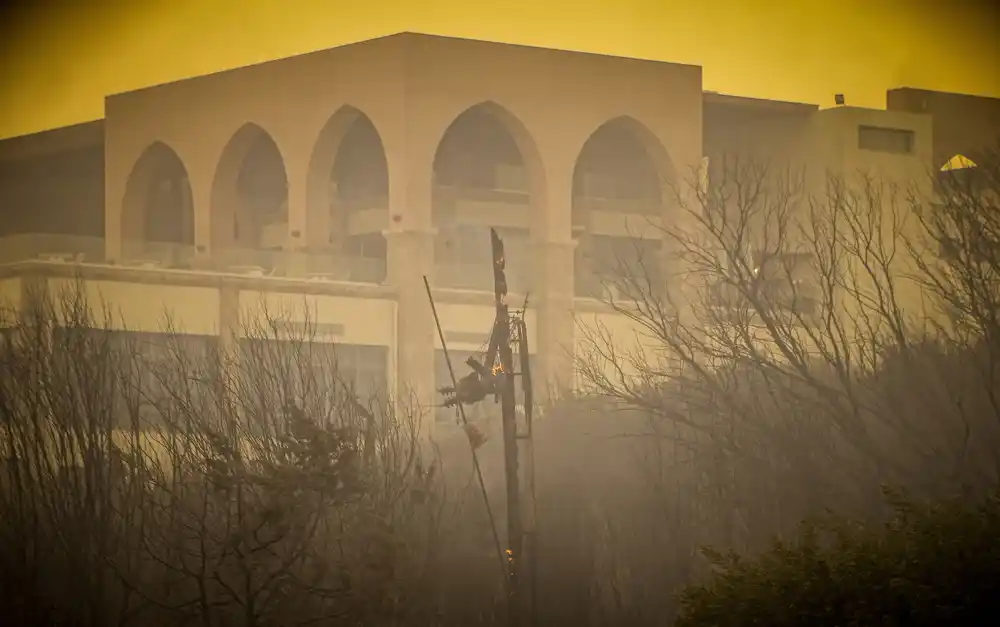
(929, 565)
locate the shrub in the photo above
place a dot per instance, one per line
(928, 565)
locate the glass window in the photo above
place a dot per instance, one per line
(892, 140)
(363, 368)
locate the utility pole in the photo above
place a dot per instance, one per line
(508, 409)
(496, 376)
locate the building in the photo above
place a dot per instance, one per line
(336, 180)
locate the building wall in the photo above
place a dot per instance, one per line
(749, 128)
(148, 307)
(963, 124)
(823, 147)
(411, 87)
(53, 182)
(835, 132)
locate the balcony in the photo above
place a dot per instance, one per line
(315, 265)
(463, 258)
(479, 276)
(157, 254)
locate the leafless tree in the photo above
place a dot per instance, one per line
(791, 350)
(160, 481)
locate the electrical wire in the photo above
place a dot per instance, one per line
(465, 423)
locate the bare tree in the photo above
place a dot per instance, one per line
(161, 480)
(795, 353)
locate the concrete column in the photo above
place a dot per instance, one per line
(410, 257)
(204, 238)
(118, 164)
(112, 243)
(553, 302)
(296, 255)
(554, 280)
(410, 251)
(320, 195)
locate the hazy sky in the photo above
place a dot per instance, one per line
(59, 59)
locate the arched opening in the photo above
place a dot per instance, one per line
(348, 200)
(617, 205)
(157, 210)
(250, 203)
(481, 180)
(359, 184)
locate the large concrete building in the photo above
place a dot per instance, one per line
(332, 182)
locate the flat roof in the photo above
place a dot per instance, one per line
(53, 141)
(993, 100)
(758, 104)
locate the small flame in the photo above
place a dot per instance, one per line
(497, 368)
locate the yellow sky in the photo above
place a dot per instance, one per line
(58, 62)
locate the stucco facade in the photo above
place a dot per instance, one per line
(381, 162)
(411, 88)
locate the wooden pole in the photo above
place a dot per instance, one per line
(515, 531)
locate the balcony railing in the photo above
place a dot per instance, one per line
(339, 266)
(479, 276)
(322, 265)
(51, 247)
(318, 266)
(157, 254)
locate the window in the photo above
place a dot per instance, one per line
(607, 260)
(144, 371)
(368, 246)
(879, 139)
(298, 366)
(785, 282)
(363, 368)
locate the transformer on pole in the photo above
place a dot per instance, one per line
(497, 377)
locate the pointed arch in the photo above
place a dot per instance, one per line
(487, 172)
(527, 149)
(619, 177)
(157, 204)
(249, 189)
(347, 194)
(633, 131)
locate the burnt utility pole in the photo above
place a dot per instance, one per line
(496, 377)
(508, 409)
(510, 330)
